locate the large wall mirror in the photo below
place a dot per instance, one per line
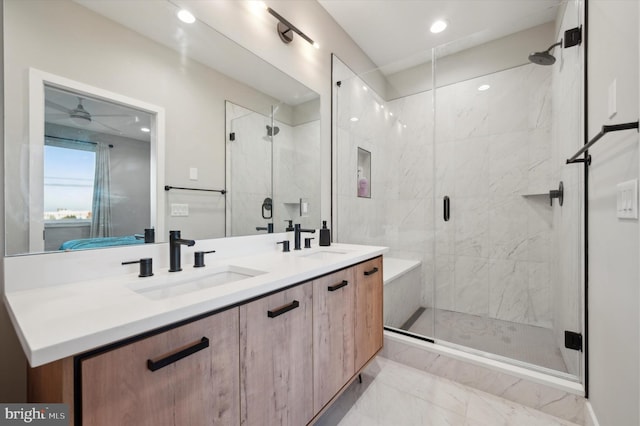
(131, 66)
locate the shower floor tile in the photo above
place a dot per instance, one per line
(393, 394)
(523, 342)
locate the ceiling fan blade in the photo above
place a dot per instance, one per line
(108, 127)
(59, 107)
(111, 115)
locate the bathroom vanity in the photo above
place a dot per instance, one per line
(255, 337)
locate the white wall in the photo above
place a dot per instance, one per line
(614, 359)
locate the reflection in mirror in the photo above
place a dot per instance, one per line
(274, 167)
(96, 172)
(249, 163)
(83, 193)
(140, 50)
(296, 165)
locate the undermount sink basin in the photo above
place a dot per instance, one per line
(324, 254)
(178, 283)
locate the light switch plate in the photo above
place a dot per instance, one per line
(179, 209)
(627, 199)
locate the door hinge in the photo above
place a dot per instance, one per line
(573, 340)
(573, 37)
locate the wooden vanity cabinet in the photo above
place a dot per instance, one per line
(333, 334)
(279, 360)
(143, 384)
(276, 358)
(369, 326)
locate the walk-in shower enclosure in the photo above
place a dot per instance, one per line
(465, 147)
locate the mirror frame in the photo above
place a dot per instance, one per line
(37, 81)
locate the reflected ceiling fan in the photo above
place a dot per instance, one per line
(81, 117)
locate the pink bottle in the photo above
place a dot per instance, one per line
(363, 185)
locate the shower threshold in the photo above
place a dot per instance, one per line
(527, 343)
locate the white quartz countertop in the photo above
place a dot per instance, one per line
(57, 321)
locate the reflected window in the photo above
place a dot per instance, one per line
(69, 171)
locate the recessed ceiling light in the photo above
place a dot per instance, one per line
(438, 26)
(484, 87)
(354, 119)
(316, 45)
(186, 16)
(382, 106)
(365, 88)
(145, 129)
(391, 114)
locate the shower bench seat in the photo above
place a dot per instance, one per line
(402, 289)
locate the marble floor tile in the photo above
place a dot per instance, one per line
(393, 394)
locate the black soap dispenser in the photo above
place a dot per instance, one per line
(325, 235)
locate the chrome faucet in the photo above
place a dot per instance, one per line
(174, 250)
(296, 235)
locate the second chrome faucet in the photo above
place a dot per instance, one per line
(175, 241)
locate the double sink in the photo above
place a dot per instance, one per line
(175, 284)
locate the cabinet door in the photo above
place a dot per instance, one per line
(333, 334)
(202, 387)
(276, 383)
(369, 327)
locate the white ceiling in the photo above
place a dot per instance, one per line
(395, 33)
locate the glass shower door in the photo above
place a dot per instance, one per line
(507, 258)
(249, 155)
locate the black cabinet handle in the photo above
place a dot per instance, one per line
(338, 286)
(178, 355)
(447, 208)
(283, 309)
(371, 272)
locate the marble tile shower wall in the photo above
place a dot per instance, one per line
(399, 213)
(493, 159)
(296, 168)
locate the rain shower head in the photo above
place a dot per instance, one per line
(272, 131)
(544, 58)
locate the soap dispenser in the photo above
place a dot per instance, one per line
(325, 234)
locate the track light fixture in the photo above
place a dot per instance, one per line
(285, 29)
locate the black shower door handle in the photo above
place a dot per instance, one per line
(266, 208)
(447, 208)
